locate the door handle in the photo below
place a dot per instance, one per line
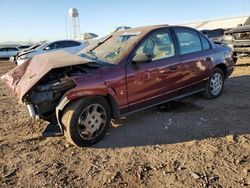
(173, 68)
(208, 59)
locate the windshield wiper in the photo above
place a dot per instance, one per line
(90, 52)
(98, 44)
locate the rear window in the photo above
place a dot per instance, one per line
(215, 33)
(58, 45)
(73, 43)
(189, 40)
(205, 43)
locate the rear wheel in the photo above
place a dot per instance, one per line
(215, 84)
(86, 121)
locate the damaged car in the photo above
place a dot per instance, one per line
(14, 57)
(239, 40)
(216, 35)
(70, 46)
(125, 72)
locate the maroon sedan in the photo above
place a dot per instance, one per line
(122, 73)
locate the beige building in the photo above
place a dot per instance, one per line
(225, 23)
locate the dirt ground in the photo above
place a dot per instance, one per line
(194, 143)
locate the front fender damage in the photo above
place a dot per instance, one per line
(42, 83)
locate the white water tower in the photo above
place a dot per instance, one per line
(74, 25)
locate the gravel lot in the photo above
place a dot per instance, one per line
(194, 143)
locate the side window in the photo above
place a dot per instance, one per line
(205, 43)
(61, 44)
(13, 49)
(159, 45)
(58, 45)
(189, 40)
(73, 43)
(51, 46)
(2, 50)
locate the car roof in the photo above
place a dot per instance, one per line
(146, 29)
(143, 29)
(65, 40)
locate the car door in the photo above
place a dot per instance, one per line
(196, 57)
(152, 82)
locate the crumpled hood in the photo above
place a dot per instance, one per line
(23, 77)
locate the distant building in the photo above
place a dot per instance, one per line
(226, 23)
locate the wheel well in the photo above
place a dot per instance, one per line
(109, 98)
(223, 68)
(113, 106)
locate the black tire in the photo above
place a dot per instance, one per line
(71, 117)
(208, 92)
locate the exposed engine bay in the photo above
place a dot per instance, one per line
(48, 92)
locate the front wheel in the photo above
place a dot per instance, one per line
(86, 120)
(215, 84)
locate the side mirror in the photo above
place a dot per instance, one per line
(142, 58)
(47, 48)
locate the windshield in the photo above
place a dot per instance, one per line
(111, 48)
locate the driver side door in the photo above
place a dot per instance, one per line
(152, 82)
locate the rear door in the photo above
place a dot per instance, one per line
(196, 56)
(148, 83)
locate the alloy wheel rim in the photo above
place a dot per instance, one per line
(92, 121)
(216, 84)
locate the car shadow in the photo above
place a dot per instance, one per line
(242, 65)
(192, 118)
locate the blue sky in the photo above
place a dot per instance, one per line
(23, 20)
